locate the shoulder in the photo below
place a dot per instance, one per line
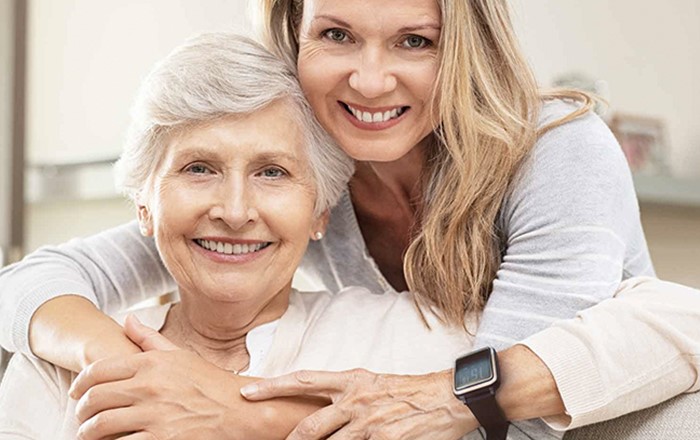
(578, 163)
(585, 142)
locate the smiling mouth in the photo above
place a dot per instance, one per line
(374, 117)
(230, 249)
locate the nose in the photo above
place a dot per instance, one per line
(235, 204)
(373, 77)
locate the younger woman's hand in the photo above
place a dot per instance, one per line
(373, 406)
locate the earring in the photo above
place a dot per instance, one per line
(318, 235)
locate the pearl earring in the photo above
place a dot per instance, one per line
(318, 235)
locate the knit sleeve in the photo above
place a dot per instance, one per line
(114, 269)
(625, 354)
(571, 232)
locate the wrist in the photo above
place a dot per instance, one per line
(462, 415)
(69, 331)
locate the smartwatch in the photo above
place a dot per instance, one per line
(476, 379)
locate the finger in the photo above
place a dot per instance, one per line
(320, 424)
(305, 382)
(102, 397)
(105, 370)
(139, 436)
(145, 337)
(113, 422)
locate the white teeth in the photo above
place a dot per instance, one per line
(376, 117)
(228, 248)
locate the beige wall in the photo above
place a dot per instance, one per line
(87, 59)
(647, 51)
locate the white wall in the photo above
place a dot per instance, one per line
(6, 54)
(647, 51)
(87, 58)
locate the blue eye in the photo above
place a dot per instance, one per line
(273, 173)
(198, 168)
(416, 42)
(336, 35)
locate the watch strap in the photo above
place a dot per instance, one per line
(486, 410)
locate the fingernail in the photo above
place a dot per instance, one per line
(249, 390)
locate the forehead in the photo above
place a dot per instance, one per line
(273, 130)
(374, 12)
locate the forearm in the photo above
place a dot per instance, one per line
(528, 389)
(625, 354)
(114, 269)
(69, 331)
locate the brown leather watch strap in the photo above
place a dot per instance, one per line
(486, 410)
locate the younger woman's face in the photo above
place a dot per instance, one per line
(368, 68)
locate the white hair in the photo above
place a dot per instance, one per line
(215, 75)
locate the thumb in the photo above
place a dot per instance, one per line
(145, 337)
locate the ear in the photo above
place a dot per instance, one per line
(145, 221)
(319, 225)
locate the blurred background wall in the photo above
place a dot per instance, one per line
(87, 57)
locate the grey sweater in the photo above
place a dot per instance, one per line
(571, 233)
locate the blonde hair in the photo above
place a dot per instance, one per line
(488, 107)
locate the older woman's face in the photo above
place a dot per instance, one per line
(368, 68)
(232, 206)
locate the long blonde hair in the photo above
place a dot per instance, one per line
(488, 106)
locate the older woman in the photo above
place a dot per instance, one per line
(470, 189)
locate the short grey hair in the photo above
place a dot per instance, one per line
(215, 75)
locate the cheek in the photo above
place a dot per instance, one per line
(177, 207)
(291, 214)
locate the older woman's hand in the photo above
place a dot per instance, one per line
(372, 406)
(168, 393)
(165, 393)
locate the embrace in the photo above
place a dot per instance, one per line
(359, 209)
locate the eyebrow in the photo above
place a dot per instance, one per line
(405, 29)
(335, 20)
(265, 156)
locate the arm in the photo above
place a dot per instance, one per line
(626, 354)
(572, 232)
(114, 269)
(579, 371)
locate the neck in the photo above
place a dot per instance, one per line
(402, 177)
(217, 330)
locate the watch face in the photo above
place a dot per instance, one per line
(473, 369)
